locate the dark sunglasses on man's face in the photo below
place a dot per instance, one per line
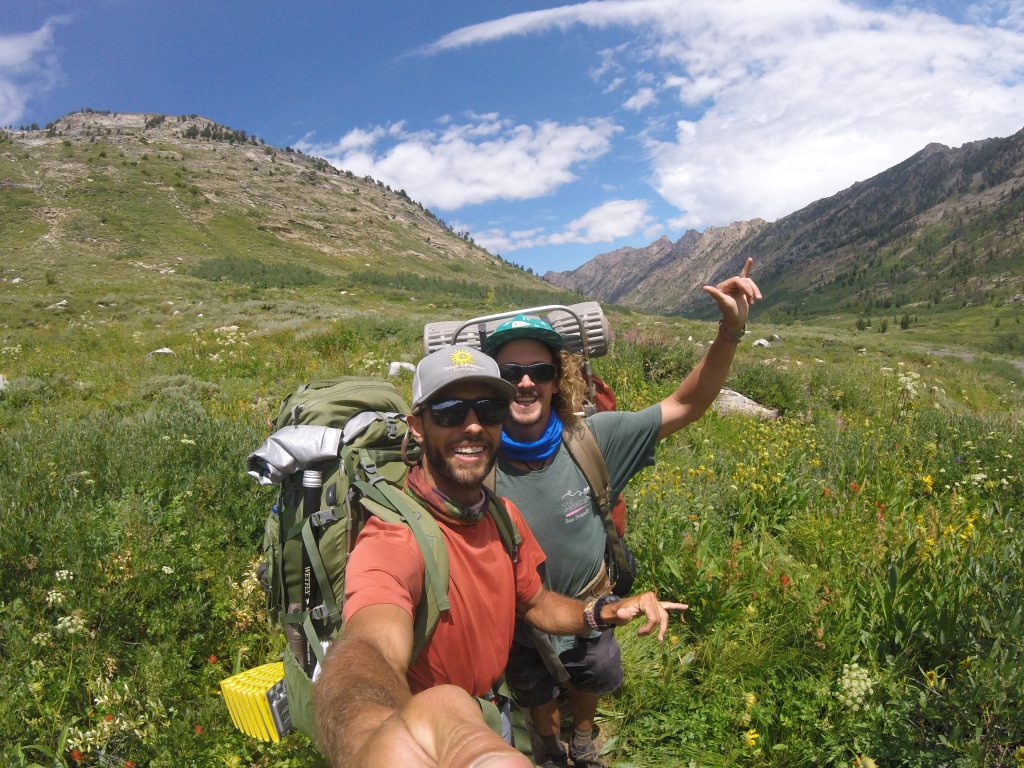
(452, 413)
(541, 373)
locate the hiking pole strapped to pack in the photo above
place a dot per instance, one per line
(312, 487)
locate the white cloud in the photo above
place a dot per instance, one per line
(614, 85)
(481, 159)
(642, 98)
(27, 67)
(605, 223)
(778, 104)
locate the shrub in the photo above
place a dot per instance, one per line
(770, 386)
(257, 273)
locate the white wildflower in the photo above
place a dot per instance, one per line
(71, 625)
(854, 686)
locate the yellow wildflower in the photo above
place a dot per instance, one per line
(931, 677)
(749, 700)
(750, 737)
(863, 761)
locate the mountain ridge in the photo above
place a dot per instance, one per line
(941, 225)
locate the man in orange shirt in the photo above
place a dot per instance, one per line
(375, 703)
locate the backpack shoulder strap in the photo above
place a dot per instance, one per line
(584, 450)
(395, 506)
(507, 530)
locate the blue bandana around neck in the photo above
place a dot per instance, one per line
(541, 449)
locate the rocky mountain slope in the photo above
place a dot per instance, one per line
(123, 210)
(662, 276)
(944, 226)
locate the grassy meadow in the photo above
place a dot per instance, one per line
(853, 569)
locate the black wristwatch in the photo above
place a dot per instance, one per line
(592, 613)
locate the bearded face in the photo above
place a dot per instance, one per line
(461, 460)
(458, 458)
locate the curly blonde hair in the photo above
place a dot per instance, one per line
(572, 389)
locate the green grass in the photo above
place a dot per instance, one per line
(857, 530)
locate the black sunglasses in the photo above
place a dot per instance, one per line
(489, 411)
(541, 373)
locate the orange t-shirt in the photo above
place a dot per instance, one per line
(470, 646)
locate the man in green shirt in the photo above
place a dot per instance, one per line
(536, 472)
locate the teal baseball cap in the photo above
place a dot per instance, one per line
(523, 327)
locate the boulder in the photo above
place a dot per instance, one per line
(762, 343)
(397, 367)
(161, 351)
(730, 402)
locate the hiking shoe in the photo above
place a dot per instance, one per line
(587, 758)
(556, 761)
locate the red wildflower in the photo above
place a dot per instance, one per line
(109, 718)
(855, 487)
(76, 755)
(128, 764)
(198, 728)
(212, 658)
(826, 491)
(785, 582)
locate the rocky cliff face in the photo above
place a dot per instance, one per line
(663, 275)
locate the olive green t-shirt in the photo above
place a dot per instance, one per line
(557, 504)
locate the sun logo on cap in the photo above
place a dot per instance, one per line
(462, 357)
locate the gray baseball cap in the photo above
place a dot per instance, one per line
(455, 364)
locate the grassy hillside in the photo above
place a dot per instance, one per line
(114, 213)
(853, 569)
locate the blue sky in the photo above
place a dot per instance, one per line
(552, 133)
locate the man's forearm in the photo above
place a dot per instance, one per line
(560, 615)
(355, 693)
(557, 615)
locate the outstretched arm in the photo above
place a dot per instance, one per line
(559, 615)
(366, 716)
(701, 386)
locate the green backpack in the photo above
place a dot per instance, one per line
(337, 454)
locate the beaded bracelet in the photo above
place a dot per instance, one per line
(728, 335)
